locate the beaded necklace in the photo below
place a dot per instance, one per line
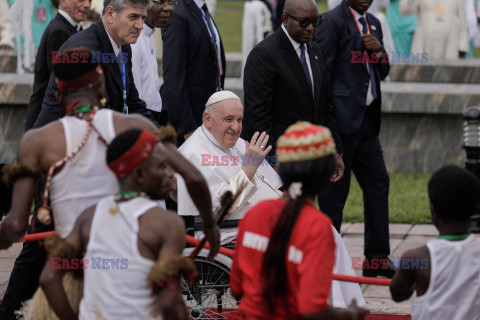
(454, 237)
(124, 196)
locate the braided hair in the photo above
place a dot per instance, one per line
(314, 176)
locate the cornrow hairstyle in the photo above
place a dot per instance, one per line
(314, 176)
(454, 193)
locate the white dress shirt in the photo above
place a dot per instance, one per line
(370, 96)
(296, 46)
(145, 69)
(74, 23)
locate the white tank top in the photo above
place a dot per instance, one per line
(120, 290)
(85, 178)
(454, 289)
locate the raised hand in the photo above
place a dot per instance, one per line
(255, 152)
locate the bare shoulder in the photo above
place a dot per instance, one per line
(417, 253)
(124, 122)
(40, 139)
(84, 223)
(164, 220)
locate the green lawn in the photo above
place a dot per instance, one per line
(228, 18)
(408, 200)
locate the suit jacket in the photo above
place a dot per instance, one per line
(276, 91)
(96, 38)
(190, 67)
(57, 32)
(341, 42)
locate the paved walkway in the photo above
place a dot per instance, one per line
(402, 237)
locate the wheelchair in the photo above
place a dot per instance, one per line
(209, 295)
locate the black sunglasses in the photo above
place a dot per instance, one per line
(305, 22)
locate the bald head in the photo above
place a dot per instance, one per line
(299, 7)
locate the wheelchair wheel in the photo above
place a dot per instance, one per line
(209, 296)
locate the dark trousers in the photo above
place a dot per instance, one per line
(364, 156)
(24, 278)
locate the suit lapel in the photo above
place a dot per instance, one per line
(291, 58)
(61, 19)
(353, 27)
(112, 67)
(197, 16)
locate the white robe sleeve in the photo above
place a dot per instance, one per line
(234, 184)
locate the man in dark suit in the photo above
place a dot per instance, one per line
(285, 79)
(193, 64)
(356, 62)
(63, 26)
(110, 38)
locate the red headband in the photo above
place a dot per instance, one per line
(80, 82)
(135, 156)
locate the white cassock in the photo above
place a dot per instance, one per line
(441, 27)
(222, 173)
(222, 169)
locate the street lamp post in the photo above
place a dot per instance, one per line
(471, 144)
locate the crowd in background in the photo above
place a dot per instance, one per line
(454, 23)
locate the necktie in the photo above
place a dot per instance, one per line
(303, 60)
(213, 37)
(79, 28)
(370, 67)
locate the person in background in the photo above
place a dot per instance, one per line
(256, 25)
(193, 65)
(402, 28)
(144, 58)
(349, 33)
(7, 32)
(472, 25)
(446, 279)
(441, 29)
(66, 23)
(110, 38)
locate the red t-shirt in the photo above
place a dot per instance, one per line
(310, 259)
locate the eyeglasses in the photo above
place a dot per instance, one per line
(171, 3)
(305, 22)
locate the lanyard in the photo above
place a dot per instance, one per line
(213, 34)
(455, 237)
(358, 26)
(124, 80)
(208, 25)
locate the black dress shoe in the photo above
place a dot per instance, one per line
(374, 267)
